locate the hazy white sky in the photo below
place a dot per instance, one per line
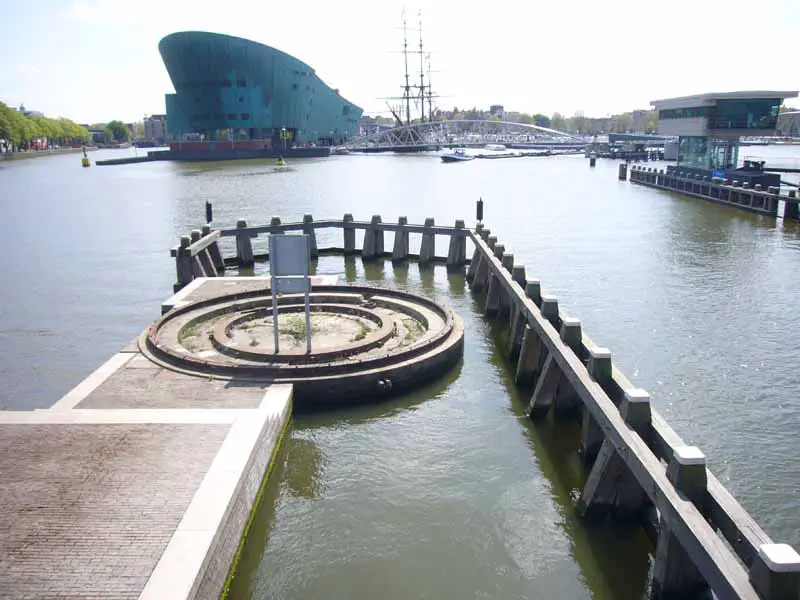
(95, 60)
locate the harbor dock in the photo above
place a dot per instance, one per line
(141, 482)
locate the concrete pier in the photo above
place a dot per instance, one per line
(138, 483)
(722, 191)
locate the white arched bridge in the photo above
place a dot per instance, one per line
(435, 135)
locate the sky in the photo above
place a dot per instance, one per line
(97, 60)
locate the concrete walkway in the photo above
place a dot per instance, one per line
(138, 483)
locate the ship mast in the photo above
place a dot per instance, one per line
(430, 91)
(407, 92)
(422, 73)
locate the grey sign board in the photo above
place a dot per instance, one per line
(289, 266)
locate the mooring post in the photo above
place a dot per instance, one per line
(566, 400)
(244, 247)
(206, 268)
(592, 160)
(457, 252)
(493, 292)
(790, 206)
(674, 571)
(183, 263)
(482, 271)
(533, 290)
(214, 252)
(308, 229)
(484, 233)
(775, 572)
(611, 487)
(373, 239)
(349, 235)
(544, 393)
(472, 270)
(623, 172)
(549, 308)
(427, 249)
(498, 250)
(400, 249)
(491, 241)
(600, 369)
(517, 322)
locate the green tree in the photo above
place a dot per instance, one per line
(5, 122)
(557, 121)
(541, 120)
(119, 131)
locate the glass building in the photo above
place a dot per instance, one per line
(709, 126)
(233, 89)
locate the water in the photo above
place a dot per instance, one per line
(450, 492)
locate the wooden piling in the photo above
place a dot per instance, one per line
(611, 487)
(493, 292)
(530, 358)
(592, 436)
(244, 247)
(457, 251)
(567, 401)
(373, 240)
(214, 252)
(775, 573)
(400, 248)
(349, 235)
(675, 574)
(183, 263)
(308, 229)
(202, 258)
(427, 249)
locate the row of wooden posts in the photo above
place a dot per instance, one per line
(724, 191)
(624, 441)
(199, 254)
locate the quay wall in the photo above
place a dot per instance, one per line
(729, 192)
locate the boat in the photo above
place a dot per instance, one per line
(496, 147)
(457, 155)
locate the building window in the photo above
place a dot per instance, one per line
(231, 116)
(245, 116)
(745, 114)
(684, 113)
(241, 83)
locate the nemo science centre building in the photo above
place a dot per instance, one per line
(235, 98)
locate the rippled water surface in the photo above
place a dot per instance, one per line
(450, 492)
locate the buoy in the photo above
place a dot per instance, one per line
(85, 162)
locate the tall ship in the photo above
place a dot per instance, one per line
(235, 98)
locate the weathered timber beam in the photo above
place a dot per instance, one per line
(721, 569)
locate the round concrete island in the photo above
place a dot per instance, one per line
(365, 342)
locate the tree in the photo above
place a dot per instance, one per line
(578, 122)
(557, 121)
(118, 131)
(541, 120)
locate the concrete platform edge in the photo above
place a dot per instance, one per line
(71, 399)
(199, 555)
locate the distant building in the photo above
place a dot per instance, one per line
(155, 128)
(709, 126)
(497, 110)
(789, 123)
(639, 121)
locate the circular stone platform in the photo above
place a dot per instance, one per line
(364, 341)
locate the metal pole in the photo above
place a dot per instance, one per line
(274, 294)
(308, 316)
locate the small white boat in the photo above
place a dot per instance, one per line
(495, 147)
(457, 155)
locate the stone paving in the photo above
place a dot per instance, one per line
(88, 509)
(136, 484)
